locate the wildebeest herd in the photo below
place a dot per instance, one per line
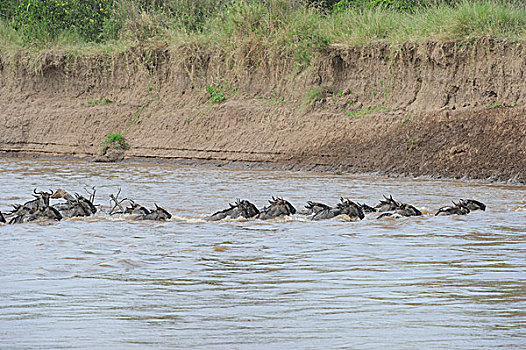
(76, 205)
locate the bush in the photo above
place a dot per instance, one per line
(117, 139)
(216, 94)
(46, 19)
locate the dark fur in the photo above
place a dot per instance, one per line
(278, 207)
(472, 204)
(242, 208)
(388, 204)
(345, 206)
(455, 209)
(159, 214)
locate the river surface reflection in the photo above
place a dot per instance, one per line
(411, 283)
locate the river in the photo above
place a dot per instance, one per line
(447, 282)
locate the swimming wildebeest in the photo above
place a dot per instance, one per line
(159, 214)
(388, 204)
(403, 210)
(27, 214)
(314, 208)
(74, 206)
(41, 200)
(366, 208)
(472, 204)
(455, 209)
(278, 207)
(345, 207)
(242, 208)
(136, 208)
(2, 219)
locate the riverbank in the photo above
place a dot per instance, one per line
(434, 108)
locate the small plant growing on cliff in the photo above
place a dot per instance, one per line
(117, 139)
(314, 95)
(100, 101)
(216, 94)
(407, 118)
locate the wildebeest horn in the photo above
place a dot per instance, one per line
(156, 206)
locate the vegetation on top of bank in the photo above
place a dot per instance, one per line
(250, 30)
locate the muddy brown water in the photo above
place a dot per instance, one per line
(412, 283)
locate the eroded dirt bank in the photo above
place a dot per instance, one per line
(440, 109)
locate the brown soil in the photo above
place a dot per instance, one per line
(110, 153)
(438, 109)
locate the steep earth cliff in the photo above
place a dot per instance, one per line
(439, 109)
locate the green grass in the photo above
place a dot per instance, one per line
(100, 101)
(117, 139)
(254, 33)
(357, 114)
(216, 94)
(314, 95)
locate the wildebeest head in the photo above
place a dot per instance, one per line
(2, 219)
(26, 215)
(160, 213)
(455, 209)
(284, 206)
(21, 209)
(278, 207)
(86, 204)
(247, 209)
(472, 204)
(315, 207)
(366, 208)
(41, 200)
(387, 204)
(242, 208)
(136, 208)
(49, 213)
(350, 208)
(408, 210)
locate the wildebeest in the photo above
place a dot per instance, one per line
(159, 214)
(242, 208)
(136, 208)
(27, 214)
(278, 207)
(366, 208)
(455, 209)
(345, 207)
(74, 206)
(41, 200)
(60, 193)
(2, 219)
(388, 204)
(404, 209)
(472, 204)
(314, 208)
